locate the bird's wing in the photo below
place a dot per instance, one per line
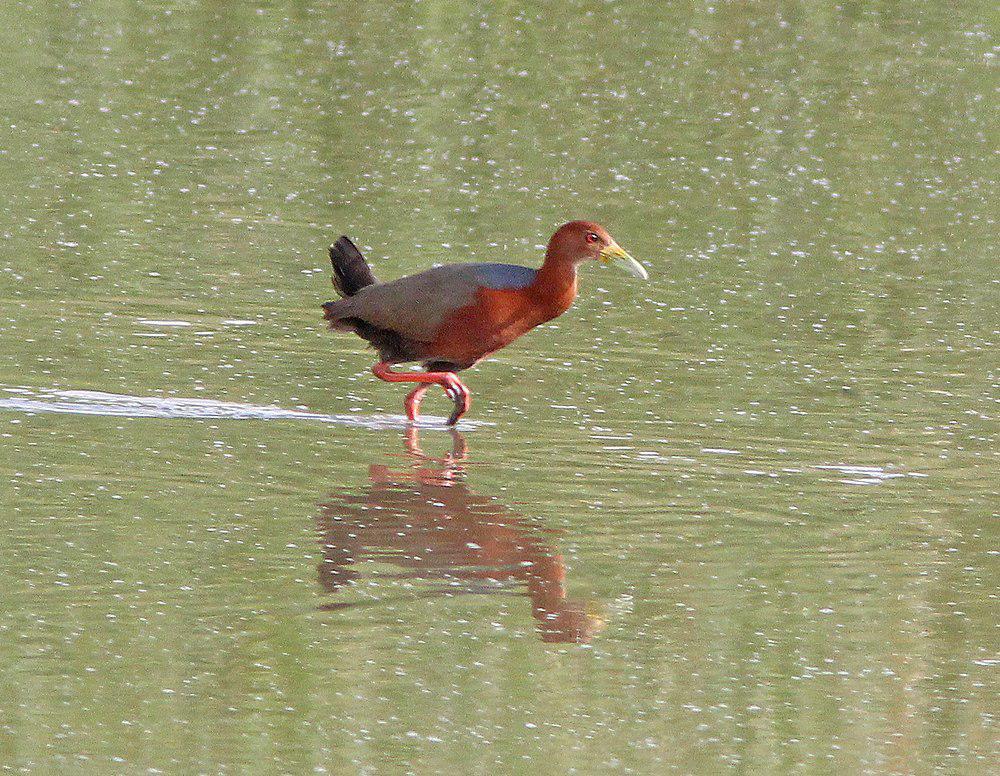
(417, 305)
(501, 277)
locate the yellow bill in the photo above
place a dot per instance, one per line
(614, 253)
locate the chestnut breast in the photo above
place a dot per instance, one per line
(496, 318)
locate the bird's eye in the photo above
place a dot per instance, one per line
(592, 237)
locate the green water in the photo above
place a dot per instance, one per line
(741, 518)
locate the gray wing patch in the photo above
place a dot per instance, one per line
(416, 305)
(503, 276)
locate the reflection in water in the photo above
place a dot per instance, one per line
(426, 520)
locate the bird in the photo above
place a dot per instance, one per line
(451, 317)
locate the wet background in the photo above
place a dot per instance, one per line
(741, 517)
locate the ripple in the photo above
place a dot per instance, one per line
(34, 401)
(864, 475)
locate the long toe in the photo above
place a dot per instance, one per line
(462, 403)
(452, 386)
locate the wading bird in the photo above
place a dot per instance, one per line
(451, 317)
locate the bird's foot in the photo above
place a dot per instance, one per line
(452, 386)
(462, 404)
(459, 394)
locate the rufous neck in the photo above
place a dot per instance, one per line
(554, 288)
(556, 273)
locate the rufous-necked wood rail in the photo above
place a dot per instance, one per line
(451, 317)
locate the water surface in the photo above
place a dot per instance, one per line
(741, 517)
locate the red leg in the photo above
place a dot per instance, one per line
(412, 401)
(455, 388)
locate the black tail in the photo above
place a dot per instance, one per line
(351, 272)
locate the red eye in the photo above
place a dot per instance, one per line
(592, 238)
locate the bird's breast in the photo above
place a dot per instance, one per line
(494, 319)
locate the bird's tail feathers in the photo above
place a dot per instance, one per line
(335, 312)
(351, 272)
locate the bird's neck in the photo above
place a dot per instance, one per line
(555, 285)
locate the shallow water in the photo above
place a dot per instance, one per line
(741, 517)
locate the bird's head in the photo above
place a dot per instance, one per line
(582, 240)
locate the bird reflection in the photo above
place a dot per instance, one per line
(425, 520)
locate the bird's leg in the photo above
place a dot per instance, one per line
(454, 387)
(413, 399)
